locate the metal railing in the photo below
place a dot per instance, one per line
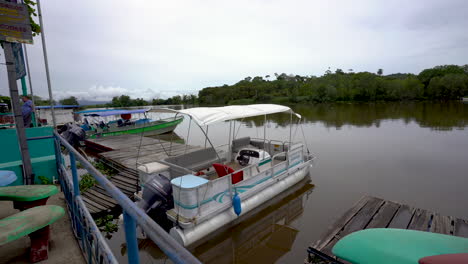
(90, 239)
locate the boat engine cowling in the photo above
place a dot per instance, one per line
(73, 133)
(157, 194)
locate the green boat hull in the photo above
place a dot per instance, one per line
(155, 129)
(390, 246)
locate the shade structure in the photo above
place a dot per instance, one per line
(111, 112)
(204, 116)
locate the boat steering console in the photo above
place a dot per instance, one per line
(251, 156)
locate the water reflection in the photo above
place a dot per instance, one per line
(263, 237)
(433, 115)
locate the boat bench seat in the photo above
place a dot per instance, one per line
(196, 160)
(27, 196)
(35, 223)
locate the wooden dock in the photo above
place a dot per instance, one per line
(122, 153)
(372, 212)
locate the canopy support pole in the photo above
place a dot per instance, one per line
(290, 130)
(207, 134)
(264, 133)
(188, 135)
(209, 141)
(229, 142)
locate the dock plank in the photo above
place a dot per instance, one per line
(402, 217)
(384, 216)
(363, 217)
(461, 227)
(421, 220)
(343, 220)
(371, 212)
(442, 224)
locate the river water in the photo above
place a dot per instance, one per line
(413, 153)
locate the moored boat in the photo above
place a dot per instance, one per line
(122, 123)
(208, 188)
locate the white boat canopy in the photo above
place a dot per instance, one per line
(209, 115)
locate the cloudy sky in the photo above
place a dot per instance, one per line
(147, 48)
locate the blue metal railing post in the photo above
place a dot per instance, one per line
(76, 184)
(130, 237)
(76, 192)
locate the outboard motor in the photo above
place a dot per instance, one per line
(157, 199)
(73, 133)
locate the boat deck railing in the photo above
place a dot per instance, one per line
(91, 241)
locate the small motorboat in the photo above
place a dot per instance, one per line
(122, 122)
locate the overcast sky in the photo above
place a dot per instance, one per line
(99, 49)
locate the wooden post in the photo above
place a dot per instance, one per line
(20, 131)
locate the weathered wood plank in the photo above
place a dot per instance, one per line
(442, 224)
(338, 225)
(421, 220)
(384, 216)
(92, 203)
(363, 217)
(124, 179)
(375, 212)
(461, 227)
(402, 217)
(99, 194)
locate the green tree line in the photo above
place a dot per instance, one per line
(126, 101)
(446, 82)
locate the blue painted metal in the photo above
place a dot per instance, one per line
(76, 183)
(130, 237)
(90, 235)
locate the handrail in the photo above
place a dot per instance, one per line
(176, 252)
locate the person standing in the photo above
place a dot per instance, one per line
(26, 110)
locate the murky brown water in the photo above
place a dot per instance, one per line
(413, 153)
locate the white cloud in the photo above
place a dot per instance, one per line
(146, 48)
(105, 93)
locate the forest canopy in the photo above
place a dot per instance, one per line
(446, 82)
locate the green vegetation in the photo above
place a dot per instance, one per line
(106, 224)
(44, 180)
(439, 83)
(5, 100)
(87, 181)
(69, 101)
(35, 28)
(105, 169)
(125, 101)
(446, 82)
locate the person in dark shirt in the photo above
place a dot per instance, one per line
(26, 111)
